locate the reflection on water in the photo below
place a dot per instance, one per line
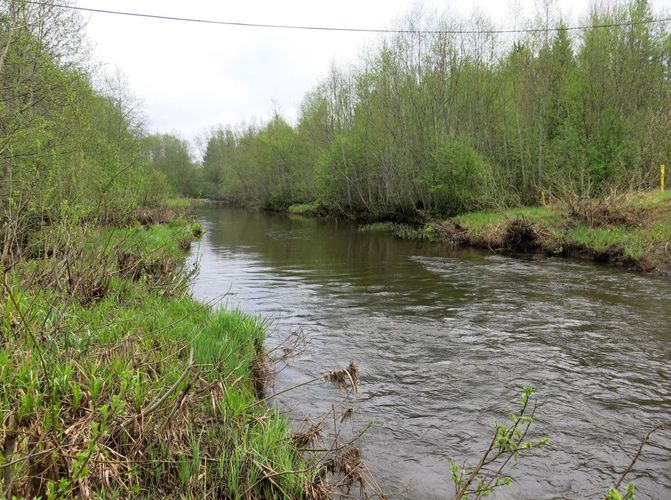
(446, 340)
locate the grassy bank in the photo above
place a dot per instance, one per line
(116, 383)
(632, 230)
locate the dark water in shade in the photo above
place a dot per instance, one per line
(446, 340)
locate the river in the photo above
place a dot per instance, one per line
(446, 340)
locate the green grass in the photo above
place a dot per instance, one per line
(138, 389)
(382, 227)
(650, 198)
(303, 208)
(630, 243)
(541, 215)
(644, 241)
(660, 232)
(166, 239)
(478, 220)
(663, 195)
(178, 203)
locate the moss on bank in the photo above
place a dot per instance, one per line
(116, 383)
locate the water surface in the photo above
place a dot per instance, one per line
(447, 339)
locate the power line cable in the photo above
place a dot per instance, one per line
(343, 29)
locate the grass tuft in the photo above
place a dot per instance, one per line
(312, 208)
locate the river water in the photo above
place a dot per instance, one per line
(446, 340)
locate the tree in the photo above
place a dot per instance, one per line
(170, 156)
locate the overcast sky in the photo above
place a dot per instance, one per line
(191, 77)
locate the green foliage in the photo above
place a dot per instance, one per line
(303, 208)
(114, 392)
(629, 494)
(69, 153)
(438, 124)
(344, 174)
(509, 442)
(268, 167)
(460, 179)
(170, 156)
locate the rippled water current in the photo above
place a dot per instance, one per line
(446, 340)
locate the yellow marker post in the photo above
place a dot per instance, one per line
(543, 197)
(662, 180)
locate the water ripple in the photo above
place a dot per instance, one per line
(445, 340)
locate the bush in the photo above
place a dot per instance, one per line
(460, 178)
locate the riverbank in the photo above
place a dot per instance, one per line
(632, 231)
(117, 383)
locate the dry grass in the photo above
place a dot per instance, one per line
(310, 437)
(346, 378)
(521, 235)
(611, 211)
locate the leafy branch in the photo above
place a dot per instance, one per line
(614, 493)
(508, 443)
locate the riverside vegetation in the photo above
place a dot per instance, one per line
(115, 383)
(433, 123)
(633, 230)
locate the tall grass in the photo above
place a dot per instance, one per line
(125, 386)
